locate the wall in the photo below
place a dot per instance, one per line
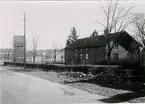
(122, 53)
(69, 54)
(94, 54)
(18, 52)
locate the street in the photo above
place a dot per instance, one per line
(18, 88)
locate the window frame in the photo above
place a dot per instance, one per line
(81, 56)
(87, 56)
(115, 56)
(116, 45)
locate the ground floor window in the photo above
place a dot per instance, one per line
(87, 56)
(81, 57)
(115, 56)
(76, 55)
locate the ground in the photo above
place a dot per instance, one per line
(21, 88)
(114, 95)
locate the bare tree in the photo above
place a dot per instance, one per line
(62, 54)
(48, 54)
(139, 24)
(34, 46)
(117, 19)
(54, 52)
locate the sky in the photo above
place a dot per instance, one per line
(52, 21)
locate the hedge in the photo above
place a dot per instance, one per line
(104, 73)
(94, 69)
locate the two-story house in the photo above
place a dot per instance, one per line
(94, 48)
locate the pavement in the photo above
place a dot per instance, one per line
(19, 88)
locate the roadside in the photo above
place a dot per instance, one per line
(76, 80)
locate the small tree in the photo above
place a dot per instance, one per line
(61, 54)
(34, 46)
(54, 52)
(73, 36)
(48, 54)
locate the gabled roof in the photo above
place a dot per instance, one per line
(128, 42)
(88, 42)
(123, 38)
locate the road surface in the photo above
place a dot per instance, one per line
(18, 88)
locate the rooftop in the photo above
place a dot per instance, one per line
(123, 38)
(19, 38)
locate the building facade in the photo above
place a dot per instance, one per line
(18, 48)
(6, 54)
(93, 49)
(46, 56)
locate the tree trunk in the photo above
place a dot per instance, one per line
(109, 51)
(109, 55)
(54, 58)
(34, 58)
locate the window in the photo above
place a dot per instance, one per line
(66, 57)
(87, 57)
(81, 49)
(81, 56)
(76, 55)
(115, 56)
(97, 58)
(103, 58)
(21, 46)
(115, 45)
(86, 48)
(75, 49)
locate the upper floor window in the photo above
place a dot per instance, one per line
(19, 45)
(81, 49)
(115, 45)
(115, 56)
(75, 49)
(86, 48)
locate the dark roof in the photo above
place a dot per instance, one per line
(128, 42)
(19, 38)
(123, 38)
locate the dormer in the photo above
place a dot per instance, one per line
(94, 34)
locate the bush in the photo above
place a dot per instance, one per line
(114, 62)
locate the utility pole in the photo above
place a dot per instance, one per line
(24, 41)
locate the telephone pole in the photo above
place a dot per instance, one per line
(24, 41)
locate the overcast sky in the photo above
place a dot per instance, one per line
(52, 21)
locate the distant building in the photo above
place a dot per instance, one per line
(92, 49)
(48, 55)
(29, 56)
(6, 54)
(18, 48)
(43, 56)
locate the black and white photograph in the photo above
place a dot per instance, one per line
(72, 52)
